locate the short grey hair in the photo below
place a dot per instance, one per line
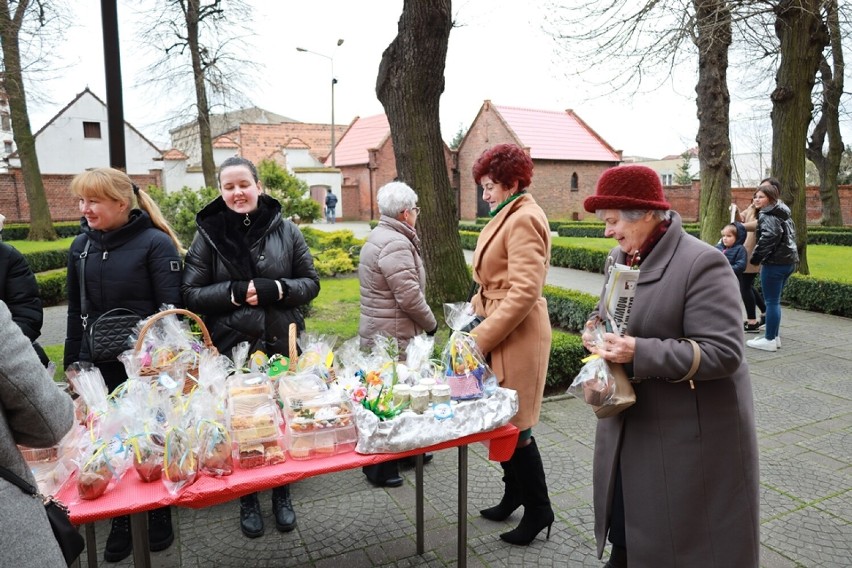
(636, 214)
(395, 197)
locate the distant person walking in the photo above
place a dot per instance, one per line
(330, 206)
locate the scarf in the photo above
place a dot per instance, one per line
(507, 201)
(635, 260)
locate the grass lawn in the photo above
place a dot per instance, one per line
(35, 246)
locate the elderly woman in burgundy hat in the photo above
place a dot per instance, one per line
(676, 474)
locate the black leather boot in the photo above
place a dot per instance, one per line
(251, 520)
(538, 514)
(282, 507)
(160, 533)
(118, 544)
(511, 497)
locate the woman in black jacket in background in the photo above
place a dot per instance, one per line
(248, 271)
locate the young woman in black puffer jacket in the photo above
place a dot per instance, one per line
(248, 271)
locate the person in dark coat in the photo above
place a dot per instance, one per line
(731, 245)
(248, 272)
(133, 262)
(19, 289)
(35, 413)
(777, 255)
(676, 474)
(330, 206)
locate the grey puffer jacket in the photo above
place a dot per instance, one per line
(33, 412)
(776, 236)
(393, 282)
(216, 260)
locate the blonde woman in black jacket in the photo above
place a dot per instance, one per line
(248, 272)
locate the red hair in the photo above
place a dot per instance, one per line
(504, 164)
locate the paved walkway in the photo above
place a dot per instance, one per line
(803, 399)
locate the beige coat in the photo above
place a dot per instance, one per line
(688, 452)
(510, 264)
(393, 284)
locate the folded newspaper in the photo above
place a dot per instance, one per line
(618, 298)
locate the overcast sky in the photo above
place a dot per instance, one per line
(498, 51)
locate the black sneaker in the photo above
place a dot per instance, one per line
(751, 327)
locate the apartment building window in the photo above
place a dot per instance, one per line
(666, 179)
(7, 147)
(575, 182)
(5, 122)
(91, 130)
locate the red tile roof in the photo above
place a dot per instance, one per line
(556, 135)
(363, 134)
(224, 142)
(174, 154)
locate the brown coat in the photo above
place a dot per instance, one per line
(393, 284)
(749, 217)
(510, 263)
(688, 456)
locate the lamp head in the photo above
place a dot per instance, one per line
(339, 42)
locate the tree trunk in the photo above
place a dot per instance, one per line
(803, 37)
(713, 22)
(208, 166)
(41, 226)
(828, 165)
(409, 86)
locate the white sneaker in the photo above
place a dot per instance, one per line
(763, 344)
(778, 342)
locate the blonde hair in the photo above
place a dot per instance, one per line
(109, 183)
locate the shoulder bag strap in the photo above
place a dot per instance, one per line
(696, 361)
(17, 481)
(84, 307)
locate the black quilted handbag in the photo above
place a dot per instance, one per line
(109, 335)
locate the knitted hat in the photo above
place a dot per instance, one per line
(628, 187)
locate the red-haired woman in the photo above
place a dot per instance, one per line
(510, 264)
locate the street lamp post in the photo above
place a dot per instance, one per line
(333, 82)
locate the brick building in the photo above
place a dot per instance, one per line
(366, 162)
(569, 157)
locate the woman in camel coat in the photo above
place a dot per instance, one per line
(510, 264)
(676, 474)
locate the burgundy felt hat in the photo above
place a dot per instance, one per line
(628, 187)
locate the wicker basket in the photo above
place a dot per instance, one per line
(294, 353)
(154, 370)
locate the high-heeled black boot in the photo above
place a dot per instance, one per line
(511, 497)
(538, 514)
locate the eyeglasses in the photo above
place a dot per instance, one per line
(415, 210)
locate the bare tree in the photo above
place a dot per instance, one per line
(14, 17)
(200, 41)
(713, 39)
(409, 85)
(828, 123)
(803, 36)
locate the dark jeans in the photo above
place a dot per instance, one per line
(751, 297)
(772, 280)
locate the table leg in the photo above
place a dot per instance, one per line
(418, 499)
(462, 536)
(139, 534)
(91, 546)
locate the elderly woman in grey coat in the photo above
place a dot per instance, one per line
(33, 412)
(393, 285)
(676, 474)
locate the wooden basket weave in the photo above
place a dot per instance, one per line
(294, 353)
(154, 370)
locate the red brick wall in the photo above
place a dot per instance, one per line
(63, 205)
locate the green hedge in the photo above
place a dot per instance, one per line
(816, 295)
(566, 354)
(44, 260)
(569, 309)
(19, 231)
(51, 287)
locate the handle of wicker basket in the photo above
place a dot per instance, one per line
(140, 341)
(294, 353)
